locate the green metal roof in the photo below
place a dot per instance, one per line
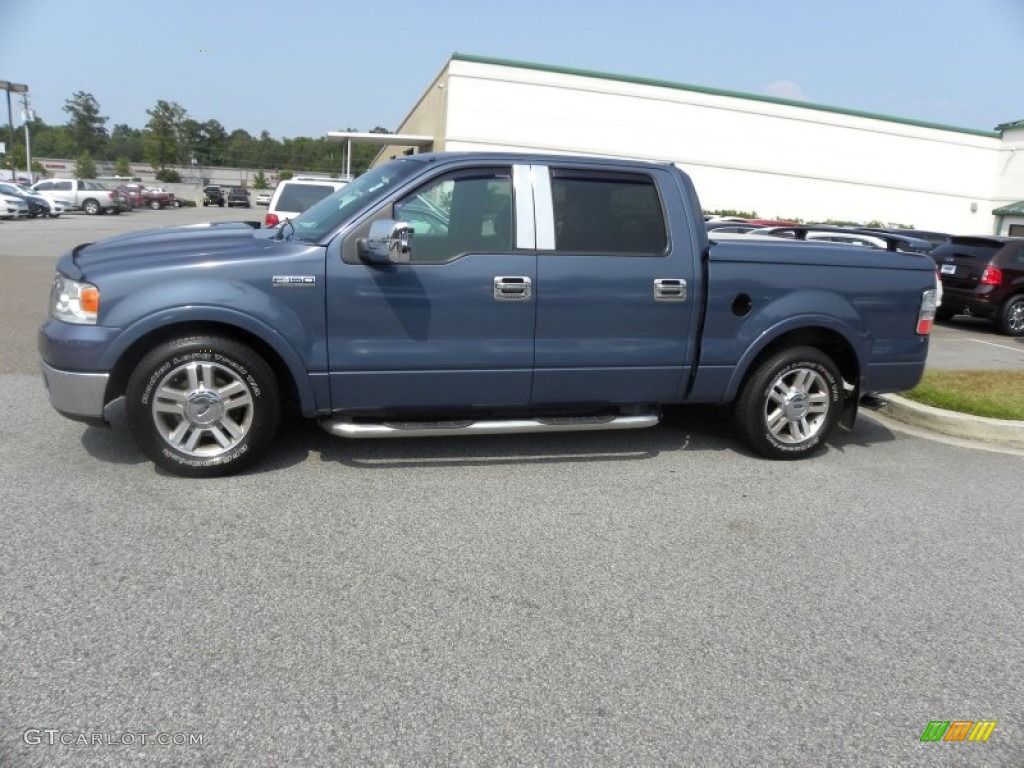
(1008, 126)
(718, 92)
(1013, 209)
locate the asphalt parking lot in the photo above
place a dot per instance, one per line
(652, 597)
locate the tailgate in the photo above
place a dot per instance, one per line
(961, 264)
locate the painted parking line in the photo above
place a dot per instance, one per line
(1001, 346)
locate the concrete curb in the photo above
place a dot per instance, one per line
(995, 432)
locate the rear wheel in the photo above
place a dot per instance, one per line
(91, 207)
(790, 404)
(203, 406)
(1010, 319)
(155, 205)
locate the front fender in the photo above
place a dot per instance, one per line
(159, 322)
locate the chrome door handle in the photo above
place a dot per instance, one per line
(512, 288)
(669, 289)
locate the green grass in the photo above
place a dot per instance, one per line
(996, 394)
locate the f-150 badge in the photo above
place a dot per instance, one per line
(294, 281)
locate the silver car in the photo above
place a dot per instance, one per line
(12, 207)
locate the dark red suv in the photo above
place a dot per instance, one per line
(983, 276)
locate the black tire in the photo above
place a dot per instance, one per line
(944, 314)
(156, 205)
(92, 207)
(203, 406)
(1010, 319)
(790, 404)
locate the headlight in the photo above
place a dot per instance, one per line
(73, 301)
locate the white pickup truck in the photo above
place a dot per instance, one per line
(89, 196)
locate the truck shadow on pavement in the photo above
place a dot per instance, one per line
(701, 429)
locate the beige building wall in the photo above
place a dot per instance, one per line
(772, 156)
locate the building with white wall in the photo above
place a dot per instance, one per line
(777, 157)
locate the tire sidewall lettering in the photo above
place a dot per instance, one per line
(204, 355)
(152, 381)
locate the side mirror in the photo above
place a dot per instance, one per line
(389, 242)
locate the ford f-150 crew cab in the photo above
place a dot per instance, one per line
(469, 293)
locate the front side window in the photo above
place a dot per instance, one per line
(461, 212)
(63, 186)
(607, 212)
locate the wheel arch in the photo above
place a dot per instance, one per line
(827, 340)
(295, 390)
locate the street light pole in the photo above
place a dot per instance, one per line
(11, 88)
(27, 115)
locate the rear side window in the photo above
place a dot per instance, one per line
(299, 197)
(607, 212)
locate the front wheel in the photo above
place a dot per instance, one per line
(1011, 316)
(155, 205)
(790, 404)
(203, 406)
(92, 207)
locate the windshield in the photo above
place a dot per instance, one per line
(337, 208)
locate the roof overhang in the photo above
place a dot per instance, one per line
(377, 140)
(382, 139)
(1013, 209)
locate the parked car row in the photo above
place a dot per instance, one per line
(93, 197)
(17, 201)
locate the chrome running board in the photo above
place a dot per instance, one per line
(349, 428)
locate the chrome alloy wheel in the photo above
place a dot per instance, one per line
(202, 409)
(797, 406)
(1015, 318)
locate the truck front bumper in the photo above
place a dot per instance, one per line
(76, 395)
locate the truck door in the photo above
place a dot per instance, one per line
(613, 310)
(454, 328)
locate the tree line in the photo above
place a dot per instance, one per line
(172, 137)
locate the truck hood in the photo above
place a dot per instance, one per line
(170, 245)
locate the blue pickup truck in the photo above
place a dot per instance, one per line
(471, 293)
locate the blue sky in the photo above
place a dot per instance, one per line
(304, 67)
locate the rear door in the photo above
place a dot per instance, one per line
(454, 328)
(614, 313)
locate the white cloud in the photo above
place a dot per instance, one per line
(785, 89)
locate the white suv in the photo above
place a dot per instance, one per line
(295, 195)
